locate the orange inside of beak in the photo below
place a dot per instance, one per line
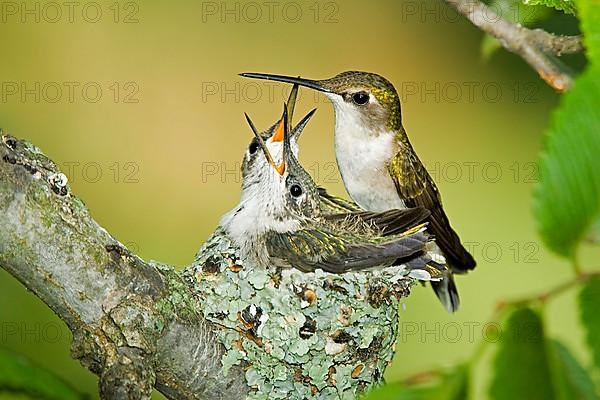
(280, 169)
(279, 131)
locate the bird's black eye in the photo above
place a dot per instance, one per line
(360, 98)
(296, 191)
(253, 147)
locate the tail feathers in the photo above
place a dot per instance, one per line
(447, 292)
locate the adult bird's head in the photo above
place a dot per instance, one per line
(362, 98)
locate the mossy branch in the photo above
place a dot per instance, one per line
(135, 324)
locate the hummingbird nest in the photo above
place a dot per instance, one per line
(299, 335)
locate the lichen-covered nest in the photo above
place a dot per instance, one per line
(299, 335)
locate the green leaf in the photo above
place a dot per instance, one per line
(571, 380)
(589, 14)
(449, 385)
(567, 197)
(589, 298)
(521, 369)
(18, 375)
(528, 366)
(567, 6)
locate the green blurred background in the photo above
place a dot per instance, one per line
(155, 155)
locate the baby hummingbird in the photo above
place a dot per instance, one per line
(279, 222)
(379, 167)
(253, 163)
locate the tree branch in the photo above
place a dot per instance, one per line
(534, 45)
(135, 324)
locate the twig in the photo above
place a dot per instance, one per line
(543, 297)
(533, 45)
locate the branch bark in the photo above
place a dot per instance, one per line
(535, 46)
(136, 324)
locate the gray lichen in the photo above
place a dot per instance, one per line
(299, 335)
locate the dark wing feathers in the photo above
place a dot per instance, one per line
(417, 189)
(333, 252)
(391, 222)
(387, 223)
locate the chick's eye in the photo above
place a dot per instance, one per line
(253, 147)
(360, 98)
(296, 191)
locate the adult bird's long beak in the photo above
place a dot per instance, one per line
(286, 151)
(288, 79)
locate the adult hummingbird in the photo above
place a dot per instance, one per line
(279, 222)
(378, 164)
